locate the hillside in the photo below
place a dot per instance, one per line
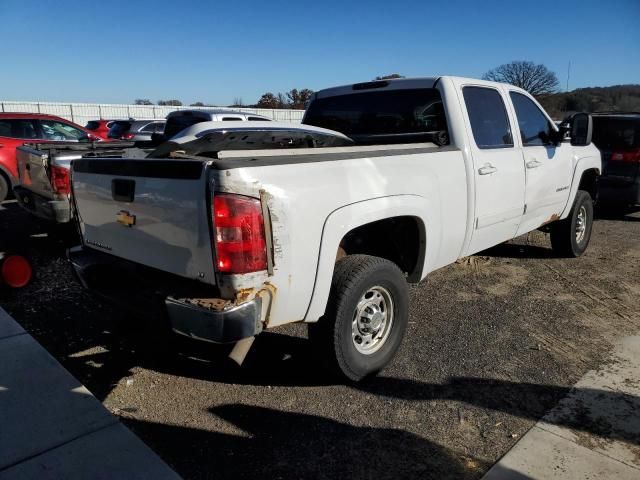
(593, 99)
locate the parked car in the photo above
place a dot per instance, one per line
(181, 119)
(228, 246)
(100, 127)
(19, 128)
(617, 136)
(136, 130)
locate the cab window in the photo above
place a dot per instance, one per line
(488, 117)
(535, 128)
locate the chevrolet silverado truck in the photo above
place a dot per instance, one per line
(225, 243)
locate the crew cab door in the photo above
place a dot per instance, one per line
(547, 166)
(498, 168)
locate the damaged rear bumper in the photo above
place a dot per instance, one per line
(58, 211)
(177, 300)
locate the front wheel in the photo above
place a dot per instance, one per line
(570, 237)
(366, 317)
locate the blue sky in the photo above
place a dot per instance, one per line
(213, 51)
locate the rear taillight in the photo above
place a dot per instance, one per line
(127, 136)
(239, 234)
(60, 180)
(631, 156)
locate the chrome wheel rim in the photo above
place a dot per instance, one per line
(372, 320)
(581, 224)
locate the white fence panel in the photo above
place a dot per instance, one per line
(81, 113)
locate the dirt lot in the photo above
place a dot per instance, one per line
(493, 342)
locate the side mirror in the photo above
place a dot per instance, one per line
(581, 129)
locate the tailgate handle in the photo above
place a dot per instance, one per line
(123, 190)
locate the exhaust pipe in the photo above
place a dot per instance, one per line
(240, 350)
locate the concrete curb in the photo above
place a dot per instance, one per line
(52, 427)
(594, 432)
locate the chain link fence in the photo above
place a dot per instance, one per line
(81, 113)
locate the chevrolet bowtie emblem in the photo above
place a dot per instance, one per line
(125, 218)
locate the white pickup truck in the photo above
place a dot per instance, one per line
(225, 243)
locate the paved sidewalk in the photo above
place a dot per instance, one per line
(52, 427)
(593, 433)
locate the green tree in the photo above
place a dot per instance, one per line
(268, 100)
(298, 98)
(170, 103)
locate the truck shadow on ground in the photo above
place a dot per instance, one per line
(525, 400)
(513, 250)
(280, 445)
(282, 360)
(624, 214)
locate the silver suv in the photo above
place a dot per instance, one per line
(181, 119)
(135, 130)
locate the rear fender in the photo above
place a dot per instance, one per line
(343, 220)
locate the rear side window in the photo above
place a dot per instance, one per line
(258, 119)
(488, 117)
(92, 125)
(534, 127)
(231, 119)
(119, 128)
(18, 128)
(616, 133)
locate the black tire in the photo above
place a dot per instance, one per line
(4, 188)
(564, 239)
(354, 276)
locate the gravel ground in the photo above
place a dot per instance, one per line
(494, 341)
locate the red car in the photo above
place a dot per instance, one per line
(100, 127)
(19, 128)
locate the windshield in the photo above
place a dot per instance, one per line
(610, 133)
(63, 132)
(368, 115)
(119, 128)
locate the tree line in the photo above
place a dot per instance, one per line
(537, 79)
(293, 99)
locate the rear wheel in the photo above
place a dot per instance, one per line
(570, 237)
(366, 316)
(4, 187)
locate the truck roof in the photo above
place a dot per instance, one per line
(395, 83)
(400, 83)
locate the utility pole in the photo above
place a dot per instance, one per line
(568, 74)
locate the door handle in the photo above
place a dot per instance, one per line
(534, 164)
(488, 169)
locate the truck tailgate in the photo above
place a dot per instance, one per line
(152, 212)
